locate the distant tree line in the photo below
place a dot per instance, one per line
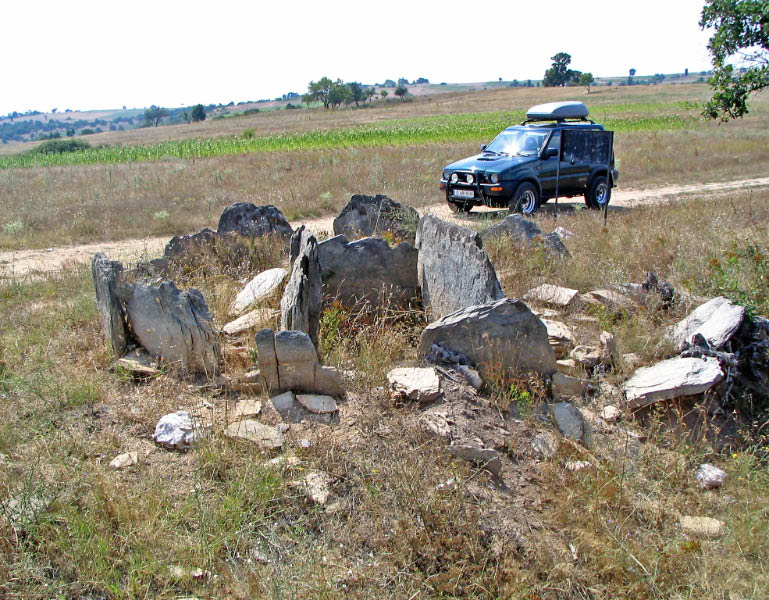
(333, 93)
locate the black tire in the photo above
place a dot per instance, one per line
(598, 194)
(525, 199)
(461, 208)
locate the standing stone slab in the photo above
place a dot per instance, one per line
(502, 336)
(174, 326)
(259, 288)
(368, 269)
(250, 220)
(106, 274)
(369, 215)
(301, 302)
(672, 378)
(717, 320)
(182, 244)
(454, 270)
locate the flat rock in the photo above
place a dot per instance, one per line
(560, 337)
(318, 404)
(501, 336)
(702, 526)
(717, 320)
(256, 290)
(125, 460)
(251, 320)
(587, 356)
(454, 270)
(264, 436)
(139, 362)
(176, 431)
(246, 408)
(486, 458)
(568, 419)
(565, 387)
(670, 379)
(365, 216)
(608, 298)
(245, 218)
(552, 295)
(418, 384)
(710, 476)
(368, 270)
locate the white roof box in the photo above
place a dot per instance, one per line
(557, 111)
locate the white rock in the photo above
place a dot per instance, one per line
(447, 486)
(318, 404)
(716, 321)
(255, 318)
(702, 526)
(259, 288)
(316, 485)
(672, 378)
(560, 337)
(710, 476)
(246, 408)
(587, 356)
(419, 384)
(632, 360)
(176, 431)
(544, 443)
(551, 294)
(610, 413)
(578, 465)
(607, 348)
(127, 459)
(563, 233)
(472, 376)
(264, 436)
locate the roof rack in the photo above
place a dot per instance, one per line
(558, 111)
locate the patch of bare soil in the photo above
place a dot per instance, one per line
(23, 263)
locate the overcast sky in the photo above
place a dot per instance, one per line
(86, 54)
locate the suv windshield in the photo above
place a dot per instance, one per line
(522, 142)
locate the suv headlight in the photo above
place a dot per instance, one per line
(494, 178)
(454, 178)
(446, 174)
(470, 179)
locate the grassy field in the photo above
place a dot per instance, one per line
(222, 521)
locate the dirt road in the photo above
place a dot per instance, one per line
(22, 263)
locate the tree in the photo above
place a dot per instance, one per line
(587, 80)
(559, 74)
(198, 113)
(153, 114)
(370, 93)
(741, 36)
(631, 74)
(401, 91)
(383, 93)
(320, 90)
(338, 94)
(357, 93)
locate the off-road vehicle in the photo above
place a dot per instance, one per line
(521, 169)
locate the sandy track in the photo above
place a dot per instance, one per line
(21, 263)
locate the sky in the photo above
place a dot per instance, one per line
(85, 54)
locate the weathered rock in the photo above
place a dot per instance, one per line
(560, 337)
(567, 365)
(174, 326)
(702, 526)
(318, 404)
(246, 408)
(471, 375)
(607, 348)
(106, 277)
(609, 298)
(544, 443)
(176, 431)
(610, 413)
(256, 318)
(565, 387)
(125, 460)
(264, 436)
(183, 244)
(578, 465)
(632, 360)
(526, 232)
(503, 336)
(371, 215)
(317, 486)
(486, 458)
(569, 420)
(139, 363)
(717, 320)
(587, 356)
(368, 269)
(420, 385)
(710, 476)
(256, 290)
(552, 295)
(454, 270)
(301, 303)
(288, 361)
(247, 219)
(670, 379)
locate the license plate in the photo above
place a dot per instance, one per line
(464, 193)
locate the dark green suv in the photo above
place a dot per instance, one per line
(521, 169)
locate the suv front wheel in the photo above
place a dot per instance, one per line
(598, 194)
(525, 199)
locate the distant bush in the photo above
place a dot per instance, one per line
(60, 147)
(250, 111)
(290, 106)
(87, 131)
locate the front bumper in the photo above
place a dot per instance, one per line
(481, 191)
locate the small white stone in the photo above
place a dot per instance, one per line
(710, 476)
(610, 413)
(127, 459)
(422, 385)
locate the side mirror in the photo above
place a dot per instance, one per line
(550, 153)
(483, 147)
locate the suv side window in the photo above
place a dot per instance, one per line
(555, 140)
(586, 146)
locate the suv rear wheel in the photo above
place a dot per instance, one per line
(598, 194)
(525, 199)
